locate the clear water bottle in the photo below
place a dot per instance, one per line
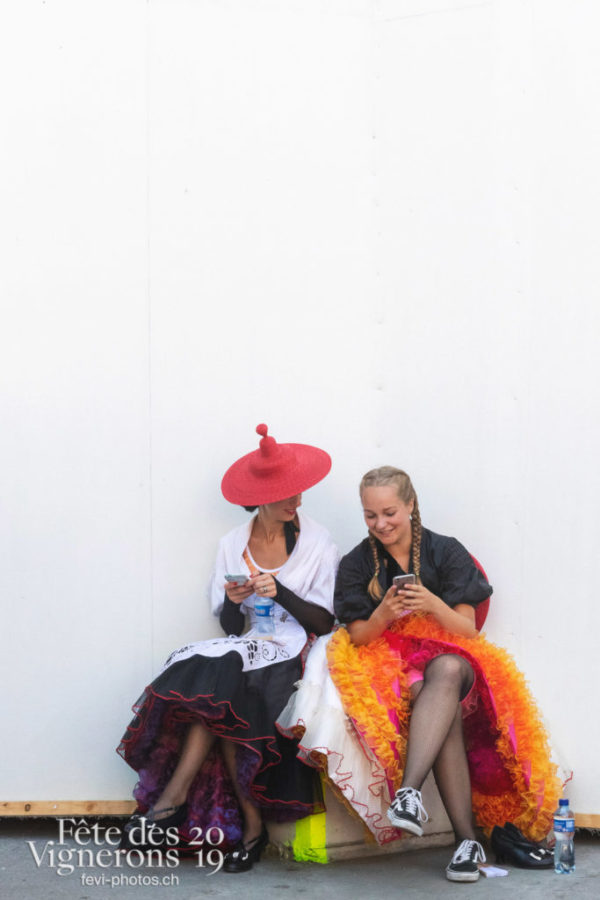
(564, 833)
(265, 620)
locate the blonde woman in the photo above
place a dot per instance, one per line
(422, 689)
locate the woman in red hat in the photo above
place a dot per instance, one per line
(203, 738)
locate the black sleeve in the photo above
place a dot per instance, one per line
(351, 599)
(232, 619)
(313, 618)
(462, 582)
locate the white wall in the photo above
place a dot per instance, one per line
(369, 224)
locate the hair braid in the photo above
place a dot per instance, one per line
(374, 588)
(415, 549)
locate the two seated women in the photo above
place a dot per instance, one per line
(422, 690)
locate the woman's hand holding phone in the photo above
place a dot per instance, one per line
(238, 590)
(416, 598)
(391, 606)
(401, 582)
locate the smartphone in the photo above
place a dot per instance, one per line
(401, 580)
(236, 579)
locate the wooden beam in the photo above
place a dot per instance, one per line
(20, 808)
(67, 808)
(587, 820)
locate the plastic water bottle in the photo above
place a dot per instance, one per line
(564, 832)
(265, 621)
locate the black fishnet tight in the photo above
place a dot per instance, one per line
(435, 739)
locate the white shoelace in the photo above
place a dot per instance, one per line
(468, 851)
(409, 799)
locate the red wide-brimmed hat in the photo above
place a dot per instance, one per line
(274, 472)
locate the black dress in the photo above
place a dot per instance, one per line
(236, 687)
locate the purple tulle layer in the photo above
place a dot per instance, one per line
(267, 769)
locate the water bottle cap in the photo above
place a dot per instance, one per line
(563, 802)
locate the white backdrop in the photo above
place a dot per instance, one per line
(371, 225)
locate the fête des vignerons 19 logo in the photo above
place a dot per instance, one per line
(91, 849)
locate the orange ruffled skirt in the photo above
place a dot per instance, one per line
(512, 776)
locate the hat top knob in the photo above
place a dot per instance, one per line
(268, 444)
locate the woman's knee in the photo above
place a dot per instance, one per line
(451, 668)
(415, 689)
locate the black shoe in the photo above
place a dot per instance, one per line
(519, 838)
(244, 855)
(464, 865)
(407, 811)
(521, 853)
(152, 829)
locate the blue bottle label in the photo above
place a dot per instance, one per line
(566, 826)
(262, 608)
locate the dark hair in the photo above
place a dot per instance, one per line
(250, 508)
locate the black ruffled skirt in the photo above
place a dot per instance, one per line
(238, 705)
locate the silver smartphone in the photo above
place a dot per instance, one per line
(236, 579)
(401, 580)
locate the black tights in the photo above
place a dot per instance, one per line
(435, 738)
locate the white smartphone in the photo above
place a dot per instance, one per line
(401, 580)
(236, 579)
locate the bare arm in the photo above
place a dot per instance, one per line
(363, 631)
(459, 619)
(415, 598)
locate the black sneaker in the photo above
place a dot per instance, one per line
(407, 811)
(464, 864)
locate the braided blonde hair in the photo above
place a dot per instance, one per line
(381, 477)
